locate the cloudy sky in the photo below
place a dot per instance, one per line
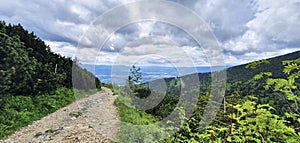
(245, 30)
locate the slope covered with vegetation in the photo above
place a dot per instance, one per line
(261, 104)
(34, 81)
(240, 73)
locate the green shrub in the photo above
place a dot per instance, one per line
(132, 129)
(20, 111)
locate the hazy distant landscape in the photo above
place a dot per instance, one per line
(119, 74)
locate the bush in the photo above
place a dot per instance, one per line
(132, 129)
(20, 111)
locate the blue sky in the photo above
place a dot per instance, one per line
(246, 30)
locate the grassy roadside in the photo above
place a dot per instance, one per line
(131, 115)
(19, 111)
(136, 125)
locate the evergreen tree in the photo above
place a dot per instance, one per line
(136, 84)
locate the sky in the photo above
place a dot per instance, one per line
(234, 31)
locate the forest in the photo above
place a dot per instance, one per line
(261, 104)
(34, 81)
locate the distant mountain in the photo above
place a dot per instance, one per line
(239, 82)
(117, 73)
(242, 74)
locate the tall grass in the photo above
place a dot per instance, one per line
(19, 111)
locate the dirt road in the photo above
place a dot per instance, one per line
(88, 120)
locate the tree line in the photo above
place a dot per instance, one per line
(34, 81)
(29, 67)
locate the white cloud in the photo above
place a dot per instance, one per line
(272, 32)
(82, 12)
(227, 18)
(62, 48)
(160, 51)
(278, 22)
(145, 29)
(247, 30)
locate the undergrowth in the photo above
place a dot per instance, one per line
(19, 111)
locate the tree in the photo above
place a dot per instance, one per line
(246, 120)
(135, 77)
(175, 86)
(28, 67)
(16, 67)
(136, 84)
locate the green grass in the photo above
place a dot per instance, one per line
(137, 125)
(113, 87)
(19, 111)
(131, 115)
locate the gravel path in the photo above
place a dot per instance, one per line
(91, 119)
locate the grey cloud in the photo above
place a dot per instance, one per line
(129, 36)
(246, 30)
(226, 18)
(187, 3)
(54, 18)
(274, 29)
(178, 35)
(155, 40)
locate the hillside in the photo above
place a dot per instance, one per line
(240, 81)
(261, 109)
(243, 74)
(240, 73)
(35, 81)
(28, 67)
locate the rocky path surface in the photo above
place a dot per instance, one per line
(93, 119)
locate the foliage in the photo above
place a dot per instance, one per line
(255, 64)
(17, 68)
(175, 86)
(19, 111)
(28, 67)
(274, 65)
(34, 81)
(138, 87)
(130, 117)
(251, 112)
(245, 122)
(129, 114)
(165, 107)
(135, 77)
(288, 89)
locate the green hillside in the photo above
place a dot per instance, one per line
(240, 73)
(261, 104)
(28, 66)
(34, 81)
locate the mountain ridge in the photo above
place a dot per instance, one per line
(241, 73)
